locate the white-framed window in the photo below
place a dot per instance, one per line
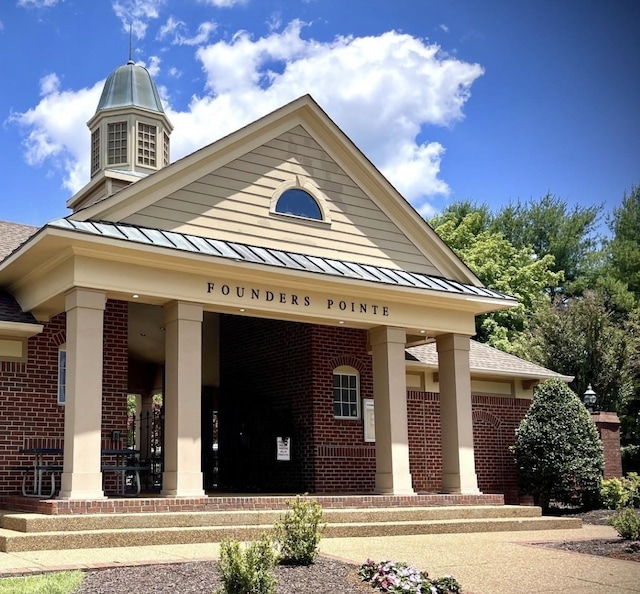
(117, 143)
(346, 393)
(95, 151)
(146, 145)
(62, 375)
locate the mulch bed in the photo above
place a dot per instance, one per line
(616, 548)
(326, 575)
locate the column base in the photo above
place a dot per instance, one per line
(387, 484)
(182, 484)
(456, 484)
(81, 485)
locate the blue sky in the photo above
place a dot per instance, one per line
(491, 100)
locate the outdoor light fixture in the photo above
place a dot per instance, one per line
(589, 399)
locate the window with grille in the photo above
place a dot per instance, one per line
(95, 151)
(166, 149)
(146, 145)
(346, 395)
(62, 375)
(117, 143)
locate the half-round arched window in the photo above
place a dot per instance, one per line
(299, 203)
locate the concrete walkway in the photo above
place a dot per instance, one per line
(484, 563)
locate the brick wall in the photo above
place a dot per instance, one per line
(495, 419)
(28, 391)
(344, 462)
(425, 441)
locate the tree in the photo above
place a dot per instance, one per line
(500, 266)
(578, 337)
(557, 449)
(549, 226)
(624, 248)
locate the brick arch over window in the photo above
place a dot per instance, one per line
(348, 361)
(483, 416)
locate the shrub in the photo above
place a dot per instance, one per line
(557, 449)
(299, 532)
(616, 492)
(247, 570)
(627, 522)
(389, 576)
(613, 493)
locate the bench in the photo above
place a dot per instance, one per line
(134, 470)
(37, 472)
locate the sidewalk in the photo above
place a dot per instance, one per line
(484, 563)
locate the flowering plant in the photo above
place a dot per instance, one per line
(390, 576)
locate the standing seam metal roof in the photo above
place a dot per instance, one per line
(130, 85)
(272, 257)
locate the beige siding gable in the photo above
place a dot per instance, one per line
(235, 203)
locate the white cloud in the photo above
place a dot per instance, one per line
(137, 13)
(178, 30)
(38, 3)
(49, 84)
(56, 131)
(444, 28)
(384, 91)
(154, 66)
(223, 3)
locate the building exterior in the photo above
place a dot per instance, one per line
(308, 331)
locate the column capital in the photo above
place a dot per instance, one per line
(386, 334)
(86, 298)
(183, 310)
(452, 342)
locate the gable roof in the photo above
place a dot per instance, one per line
(488, 361)
(303, 111)
(12, 236)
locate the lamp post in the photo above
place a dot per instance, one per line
(589, 398)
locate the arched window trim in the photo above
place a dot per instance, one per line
(302, 183)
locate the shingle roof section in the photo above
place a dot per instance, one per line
(272, 257)
(12, 236)
(484, 358)
(10, 310)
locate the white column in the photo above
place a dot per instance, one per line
(81, 476)
(182, 476)
(458, 463)
(390, 402)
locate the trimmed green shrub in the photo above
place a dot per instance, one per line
(627, 522)
(613, 494)
(616, 492)
(247, 570)
(299, 532)
(557, 449)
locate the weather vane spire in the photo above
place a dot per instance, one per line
(130, 44)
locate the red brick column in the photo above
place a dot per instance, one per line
(608, 425)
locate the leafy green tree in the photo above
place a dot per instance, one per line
(578, 337)
(549, 227)
(624, 248)
(557, 449)
(500, 266)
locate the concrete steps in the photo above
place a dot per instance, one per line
(31, 531)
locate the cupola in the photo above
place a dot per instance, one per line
(129, 134)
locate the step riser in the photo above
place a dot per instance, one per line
(91, 540)
(37, 523)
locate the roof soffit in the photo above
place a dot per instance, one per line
(305, 112)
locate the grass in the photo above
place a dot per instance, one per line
(62, 582)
